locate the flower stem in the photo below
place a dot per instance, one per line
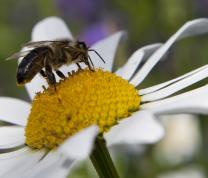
(102, 161)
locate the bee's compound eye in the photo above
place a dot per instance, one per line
(82, 45)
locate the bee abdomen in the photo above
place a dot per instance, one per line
(31, 64)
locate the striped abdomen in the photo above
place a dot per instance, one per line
(31, 64)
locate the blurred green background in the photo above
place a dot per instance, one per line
(184, 150)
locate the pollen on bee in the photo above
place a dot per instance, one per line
(83, 99)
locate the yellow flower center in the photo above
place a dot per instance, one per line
(83, 99)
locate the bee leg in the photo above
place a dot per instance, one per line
(60, 74)
(80, 68)
(49, 73)
(89, 66)
(44, 88)
(90, 62)
(69, 74)
(43, 74)
(51, 78)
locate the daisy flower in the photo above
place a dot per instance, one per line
(111, 101)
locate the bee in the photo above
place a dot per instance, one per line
(44, 57)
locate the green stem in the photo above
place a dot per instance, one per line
(102, 161)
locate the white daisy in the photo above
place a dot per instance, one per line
(135, 127)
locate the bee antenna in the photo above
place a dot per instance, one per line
(97, 54)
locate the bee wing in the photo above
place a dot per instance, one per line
(46, 43)
(18, 55)
(37, 44)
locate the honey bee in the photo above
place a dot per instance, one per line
(48, 56)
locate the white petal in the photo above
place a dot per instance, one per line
(162, 85)
(140, 128)
(16, 162)
(134, 61)
(195, 101)
(191, 28)
(59, 162)
(51, 28)
(107, 50)
(80, 145)
(14, 111)
(177, 86)
(52, 166)
(11, 136)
